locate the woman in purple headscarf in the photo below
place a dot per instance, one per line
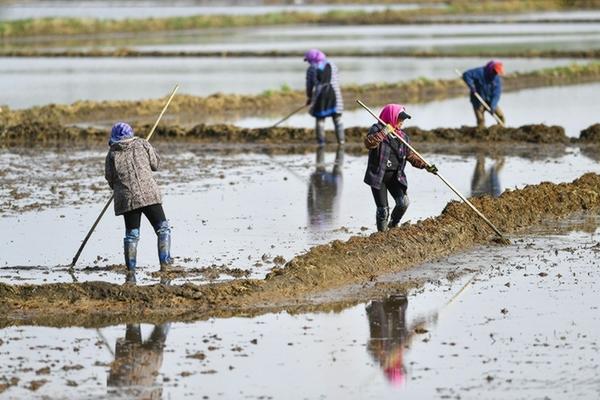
(323, 94)
(385, 168)
(128, 169)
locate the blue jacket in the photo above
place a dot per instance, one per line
(486, 83)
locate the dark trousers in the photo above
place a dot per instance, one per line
(389, 184)
(154, 213)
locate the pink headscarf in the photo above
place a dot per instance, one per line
(390, 113)
(314, 56)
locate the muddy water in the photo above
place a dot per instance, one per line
(434, 37)
(228, 210)
(66, 80)
(454, 338)
(118, 10)
(573, 107)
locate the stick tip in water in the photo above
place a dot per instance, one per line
(501, 240)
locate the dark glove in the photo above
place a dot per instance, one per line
(308, 101)
(431, 168)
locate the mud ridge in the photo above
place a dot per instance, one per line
(24, 134)
(133, 53)
(324, 267)
(281, 101)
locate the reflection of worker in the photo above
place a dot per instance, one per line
(487, 82)
(324, 189)
(137, 363)
(387, 325)
(324, 94)
(486, 182)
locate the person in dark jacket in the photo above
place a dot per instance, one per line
(128, 170)
(487, 82)
(387, 159)
(323, 93)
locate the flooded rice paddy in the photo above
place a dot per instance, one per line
(373, 39)
(572, 107)
(40, 81)
(455, 338)
(229, 209)
(116, 10)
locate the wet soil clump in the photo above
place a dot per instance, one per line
(590, 134)
(325, 267)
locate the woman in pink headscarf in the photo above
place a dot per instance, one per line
(387, 159)
(323, 94)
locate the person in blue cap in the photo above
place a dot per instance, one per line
(128, 170)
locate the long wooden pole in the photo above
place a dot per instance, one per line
(286, 117)
(485, 105)
(87, 237)
(459, 194)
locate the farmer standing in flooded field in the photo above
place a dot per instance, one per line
(385, 168)
(487, 82)
(128, 170)
(323, 93)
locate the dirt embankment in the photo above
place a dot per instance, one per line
(334, 265)
(133, 53)
(280, 102)
(47, 133)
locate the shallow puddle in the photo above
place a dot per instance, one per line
(450, 339)
(40, 81)
(227, 209)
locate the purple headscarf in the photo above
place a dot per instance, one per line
(120, 131)
(314, 56)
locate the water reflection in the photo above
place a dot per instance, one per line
(487, 182)
(324, 189)
(137, 362)
(390, 335)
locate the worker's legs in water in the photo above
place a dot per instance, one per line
(339, 128)
(381, 201)
(480, 116)
(500, 114)
(132, 237)
(398, 192)
(320, 130)
(156, 216)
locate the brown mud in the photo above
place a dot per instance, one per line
(359, 260)
(24, 134)
(279, 102)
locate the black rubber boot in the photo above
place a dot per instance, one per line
(381, 217)
(398, 211)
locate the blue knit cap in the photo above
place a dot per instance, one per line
(120, 131)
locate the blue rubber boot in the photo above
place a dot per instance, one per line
(132, 236)
(163, 234)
